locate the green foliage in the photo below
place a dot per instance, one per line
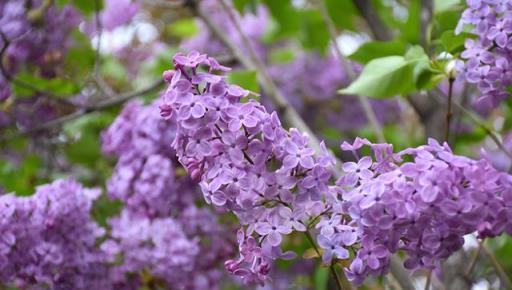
(282, 55)
(56, 86)
(86, 150)
(377, 49)
(410, 30)
(383, 77)
(321, 278)
(342, 13)
(286, 16)
(445, 5)
(247, 79)
(241, 5)
(113, 69)
(453, 43)
(394, 75)
(306, 25)
(86, 7)
(20, 178)
(183, 28)
(314, 33)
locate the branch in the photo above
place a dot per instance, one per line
(449, 112)
(290, 116)
(505, 280)
(426, 13)
(100, 106)
(400, 274)
(334, 273)
(367, 108)
(379, 29)
(478, 122)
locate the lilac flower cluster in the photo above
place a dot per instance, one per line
(421, 201)
(488, 64)
(246, 163)
(160, 232)
(49, 239)
(39, 39)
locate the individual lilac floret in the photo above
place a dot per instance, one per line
(49, 239)
(488, 57)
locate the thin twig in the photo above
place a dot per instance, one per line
(99, 31)
(375, 23)
(400, 274)
(367, 108)
(505, 280)
(449, 112)
(426, 13)
(334, 273)
(289, 114)
(429, 278)
(473, 260)
(100, 106)
(478, 122)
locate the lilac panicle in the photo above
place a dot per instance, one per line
(160, 232)
(488, 62)
(421, 201)
(49, 239)
(246, 162)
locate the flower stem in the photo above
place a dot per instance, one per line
(449, 112)
(339, 280)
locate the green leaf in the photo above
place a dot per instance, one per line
(422, 72)
(453, 43)
(321, 278)
(85, 150)
(282, 55)
(394, 75)
(377, 49)
(383, 77)
(286, 16)
(111, 67)
(56, 86)
(411, 28)
(247, 79)
(342, 13)
(240, 5)
(183, 28)
(20, 179)
(314, 34)
(445, 5)
(87, 7)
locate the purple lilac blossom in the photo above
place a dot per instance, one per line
(49, 239)
(118, 12)
(246, 163)
(488, 63)
(421, 201)
(249, 164)
(161, 231)
(39, 43)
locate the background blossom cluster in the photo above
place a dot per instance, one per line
(160, 229)
(488, 63)
(49, 239)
